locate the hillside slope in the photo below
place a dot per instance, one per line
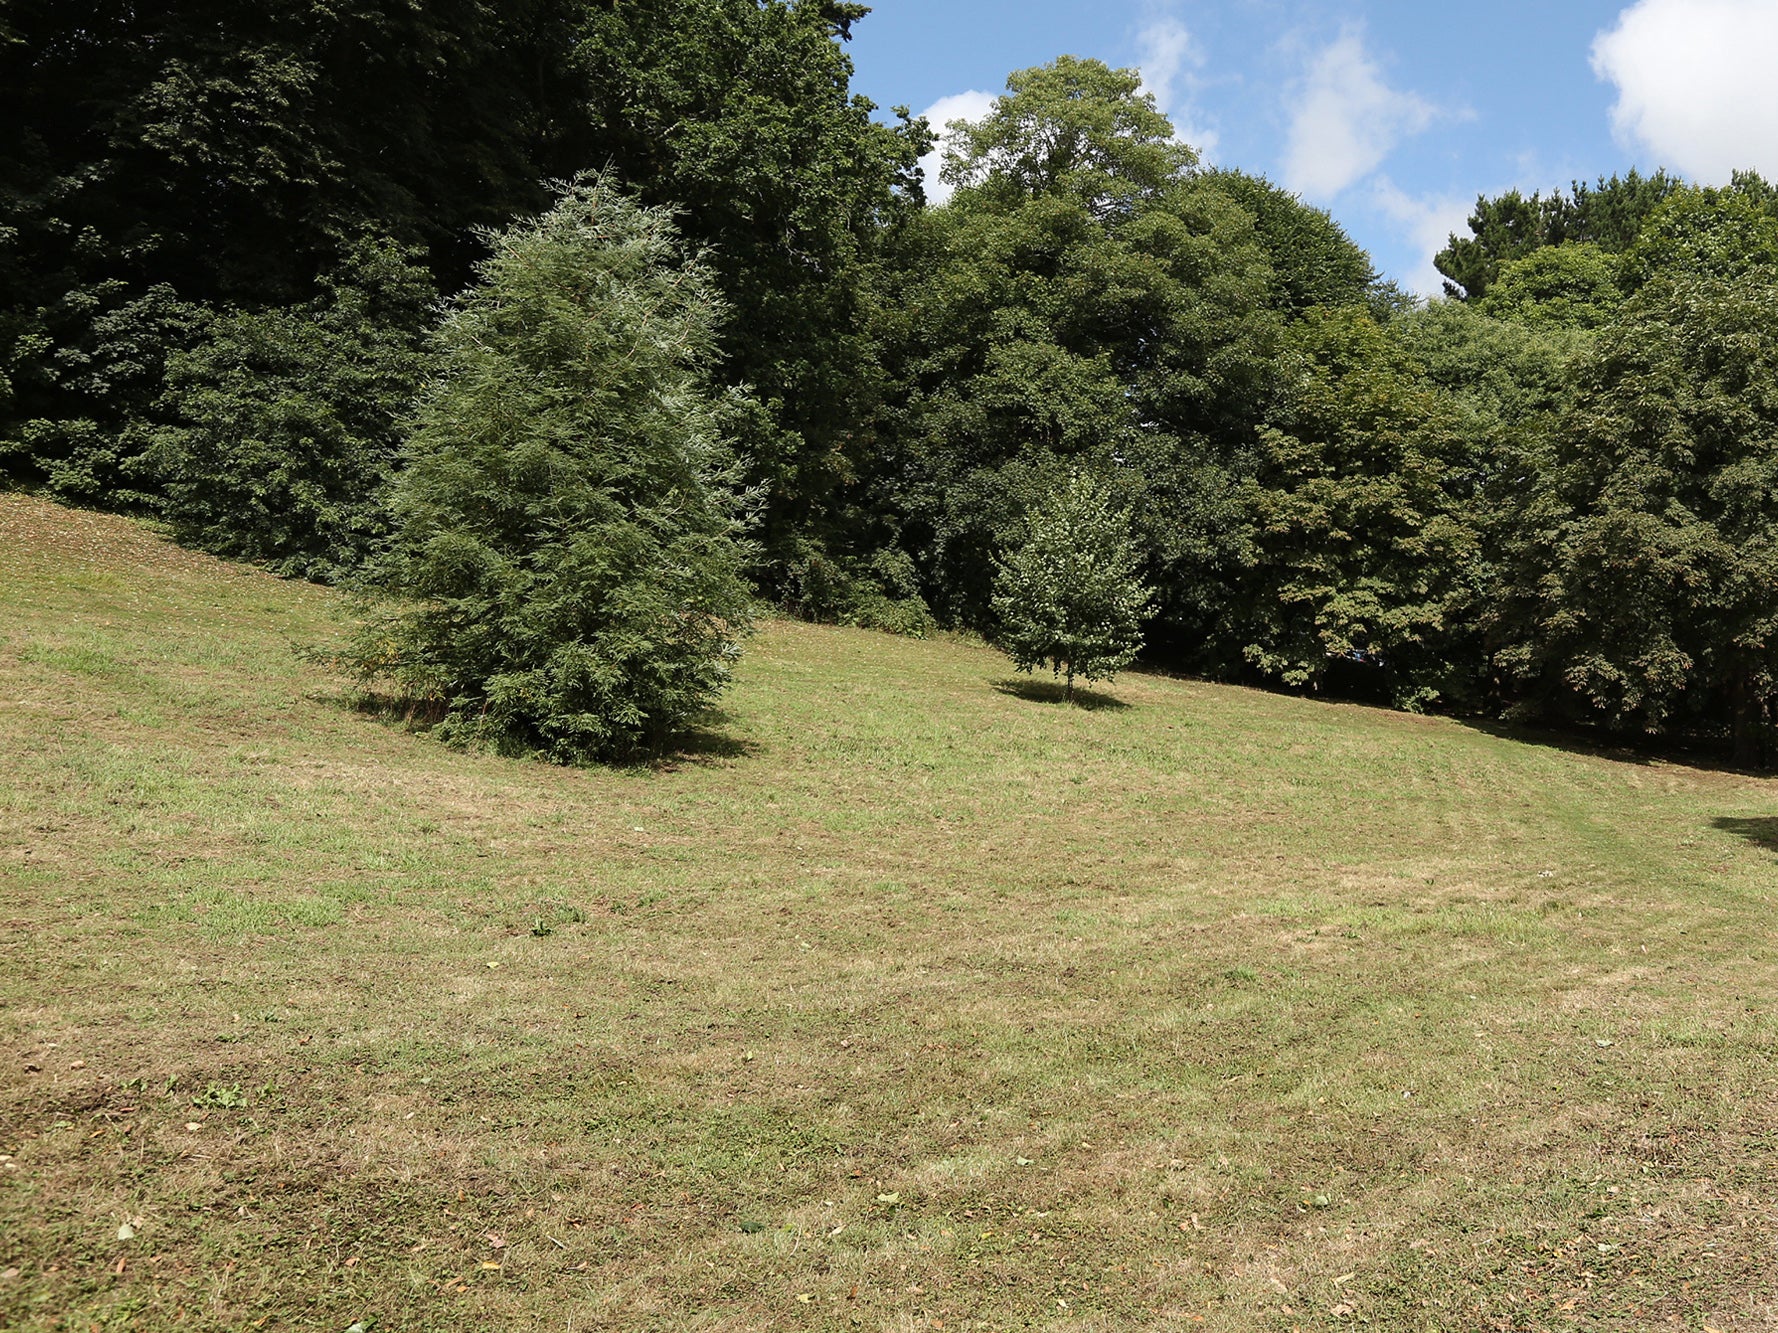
(906, 998)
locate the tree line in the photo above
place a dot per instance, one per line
(527, 315)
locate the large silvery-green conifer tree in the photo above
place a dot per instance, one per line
(565, 571)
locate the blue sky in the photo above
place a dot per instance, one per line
(1392, 114)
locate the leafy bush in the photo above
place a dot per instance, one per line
(289, 419)
(888, 598)
(564, 574)
(107, 382)
(907, 616)
(881, 593)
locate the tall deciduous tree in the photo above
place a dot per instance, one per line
(1314, 262)
(1070, 594)
(1082, 300)
(1073, 129)
(1705, 233)
(1558, 286)
(1511, 226)
(1361, 519)
(224, 154)
(1647, 593)
(565, 568)
(739, 114)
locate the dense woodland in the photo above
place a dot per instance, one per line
(376, 293)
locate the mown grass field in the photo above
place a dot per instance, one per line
(904, 1001)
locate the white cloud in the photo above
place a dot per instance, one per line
(1167, 55)
(1695, 83)
(1425, 222)
(1346, 120)
(972, 106)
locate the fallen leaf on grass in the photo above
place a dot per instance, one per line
(1344, 1278)
(490, 1266)
(126, 1232)
(496, 1240)
(888, 1198)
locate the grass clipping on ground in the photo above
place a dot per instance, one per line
(906, 1000)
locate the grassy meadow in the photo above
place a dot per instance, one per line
(906, 998)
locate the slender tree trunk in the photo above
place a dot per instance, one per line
(1068, 689)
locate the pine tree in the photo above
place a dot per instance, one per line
(1071, 597)
(564, 571)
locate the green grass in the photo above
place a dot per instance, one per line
(906, 997)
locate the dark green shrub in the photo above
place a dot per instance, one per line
(289, 420)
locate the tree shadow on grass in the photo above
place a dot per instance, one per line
(1706, 753)
(1761, 831)
(704, 740)
(1051, 692)
(1595, 745)
(416, 715)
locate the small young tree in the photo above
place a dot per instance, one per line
(565, 565)
(1071, 597)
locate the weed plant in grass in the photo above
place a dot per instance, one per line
(904, 998)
